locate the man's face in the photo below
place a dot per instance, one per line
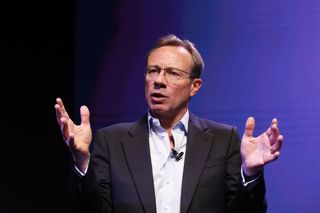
(170, 99)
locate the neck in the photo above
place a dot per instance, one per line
(166, 121)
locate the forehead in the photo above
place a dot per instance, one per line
(170, 56)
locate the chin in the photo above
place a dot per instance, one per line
(158, 110)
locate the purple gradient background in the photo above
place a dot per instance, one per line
(261, 59)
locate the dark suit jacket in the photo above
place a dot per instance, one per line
(119, 177)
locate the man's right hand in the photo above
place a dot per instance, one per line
(77, 137)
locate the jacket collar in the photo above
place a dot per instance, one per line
(137, 153)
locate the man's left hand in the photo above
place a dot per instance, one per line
(258, 151)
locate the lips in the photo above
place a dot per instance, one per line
(157, 97)
(157, 94)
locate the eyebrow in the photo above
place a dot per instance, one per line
(174, 68)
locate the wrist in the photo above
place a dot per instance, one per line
(251, 171)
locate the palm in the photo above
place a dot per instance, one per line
(256, 151)
(78, 138)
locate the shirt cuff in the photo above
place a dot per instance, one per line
(85, 171)
(248, 180)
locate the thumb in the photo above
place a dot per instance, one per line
(85, 115)
(250, 124)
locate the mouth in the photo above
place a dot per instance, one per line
(157, 97)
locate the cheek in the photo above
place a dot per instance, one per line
(181, 93)
(147, 86)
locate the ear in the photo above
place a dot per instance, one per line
(195, 86)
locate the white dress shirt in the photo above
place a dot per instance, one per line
(167, 171)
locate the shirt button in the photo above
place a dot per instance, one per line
(168, 182)
(166, 207)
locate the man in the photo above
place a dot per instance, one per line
(170, 160)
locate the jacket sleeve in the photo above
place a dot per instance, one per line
(240, 198)
(92, 192)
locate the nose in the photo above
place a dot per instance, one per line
(161, 78)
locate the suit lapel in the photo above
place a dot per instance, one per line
(198, 148)
(138, 158)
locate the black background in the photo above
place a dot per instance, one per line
(37, 45)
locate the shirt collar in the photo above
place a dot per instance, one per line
(154, 123)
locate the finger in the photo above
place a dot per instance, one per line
(85, 115)
(276, 155)
(250, 124)
(275, 121)
(274, 133)
(273, 156)
(63, 111)
(59, 101)
(64, 128)
(269, 132)
(277, 145)
(58, 112)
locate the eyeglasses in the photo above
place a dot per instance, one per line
(172, 74)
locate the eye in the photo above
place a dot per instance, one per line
(152, 70)
(173, 72)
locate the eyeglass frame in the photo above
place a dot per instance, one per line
(166, 69)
